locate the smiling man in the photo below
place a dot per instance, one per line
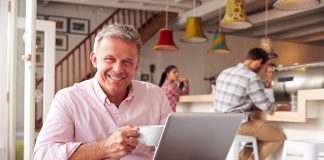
(99, 118)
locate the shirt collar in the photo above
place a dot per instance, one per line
(102, 95)
(98, 90)
(241, 65)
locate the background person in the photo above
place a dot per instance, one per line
(97, 118)
(267, 82)
(239, 89)
(173, 85)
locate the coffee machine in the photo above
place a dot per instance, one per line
(288, 80)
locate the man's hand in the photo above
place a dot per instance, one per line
(118, 144)
(121, 142)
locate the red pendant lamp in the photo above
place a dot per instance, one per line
(165, 42)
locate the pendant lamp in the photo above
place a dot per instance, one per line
(266, 43)
(194, 32)
(235, 17)
(219, 44)
(165, 42)
(295, 4)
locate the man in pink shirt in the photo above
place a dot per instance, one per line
(99, 118)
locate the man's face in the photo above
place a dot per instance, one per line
(116, 61)
(257, 66)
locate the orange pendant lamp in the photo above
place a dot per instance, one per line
(165, 42)
(235, 17)
(194, 32)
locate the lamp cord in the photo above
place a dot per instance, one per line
(194, 6)
(166, 13)
(219, 19)
(266, 19)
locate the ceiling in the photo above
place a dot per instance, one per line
(304, 26)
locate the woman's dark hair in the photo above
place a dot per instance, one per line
(164, 74)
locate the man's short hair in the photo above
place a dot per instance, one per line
(124, 32)
(257, 54)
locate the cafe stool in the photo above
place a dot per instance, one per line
(310, 149)
(241, 141)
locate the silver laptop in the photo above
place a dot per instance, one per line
(198, 136)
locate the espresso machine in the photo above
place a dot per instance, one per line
(288, 80)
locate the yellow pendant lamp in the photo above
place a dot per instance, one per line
(219, 44)
(194, 32)
(235, 17)
(165, 42)
(295, 4)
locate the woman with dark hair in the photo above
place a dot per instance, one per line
(173, 85)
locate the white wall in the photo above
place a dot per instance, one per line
(194, 62)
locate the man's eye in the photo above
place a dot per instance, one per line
(128, 62)
(109, 59)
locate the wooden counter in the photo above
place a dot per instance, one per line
(305, 109)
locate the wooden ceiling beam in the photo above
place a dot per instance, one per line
(121, 4)
(299, 32)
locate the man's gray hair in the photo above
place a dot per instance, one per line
(124, 32)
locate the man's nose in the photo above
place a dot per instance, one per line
(117, 67)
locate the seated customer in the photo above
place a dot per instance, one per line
(98, 118)
(239, 89)
(173, 85)
(269, 71)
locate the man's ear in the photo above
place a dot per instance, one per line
(93, 59)
(138, 61)
(259, 62)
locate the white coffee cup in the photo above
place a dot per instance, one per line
(150, 134)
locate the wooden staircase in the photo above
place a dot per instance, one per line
(76, 66)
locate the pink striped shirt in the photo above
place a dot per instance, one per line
(83, 113)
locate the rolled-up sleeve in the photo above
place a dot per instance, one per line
(56, 139)
(257, 94)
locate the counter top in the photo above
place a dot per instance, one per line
(196, 98)
(303, 112)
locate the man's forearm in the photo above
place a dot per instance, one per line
(89, 151)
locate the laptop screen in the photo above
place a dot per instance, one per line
(198, 136)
